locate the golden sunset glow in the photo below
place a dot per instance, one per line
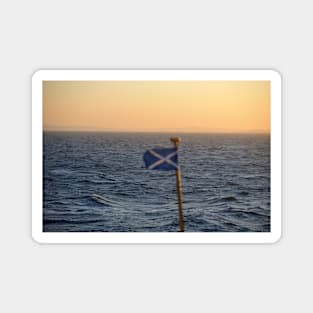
(183, 106)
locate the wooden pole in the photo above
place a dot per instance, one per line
(176, 141)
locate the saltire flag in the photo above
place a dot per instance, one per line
(164, 159)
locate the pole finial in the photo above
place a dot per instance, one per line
(176, 141)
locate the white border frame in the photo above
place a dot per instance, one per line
(164, 238)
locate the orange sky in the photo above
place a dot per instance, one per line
(185, 106)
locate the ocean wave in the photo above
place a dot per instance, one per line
(244, 212)
(47, 221)
(243, 193)
(61, 171)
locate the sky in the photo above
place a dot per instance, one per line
(148, 106)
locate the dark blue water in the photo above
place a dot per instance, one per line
(97, 182)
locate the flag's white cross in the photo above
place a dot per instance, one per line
(162, 159)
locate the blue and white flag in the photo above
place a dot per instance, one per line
(164, 159)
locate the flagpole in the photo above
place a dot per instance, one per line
(176, 141)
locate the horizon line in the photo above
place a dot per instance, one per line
(157, 131)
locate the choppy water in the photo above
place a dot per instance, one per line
(97, 182)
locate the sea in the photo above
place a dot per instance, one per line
(97, 182)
